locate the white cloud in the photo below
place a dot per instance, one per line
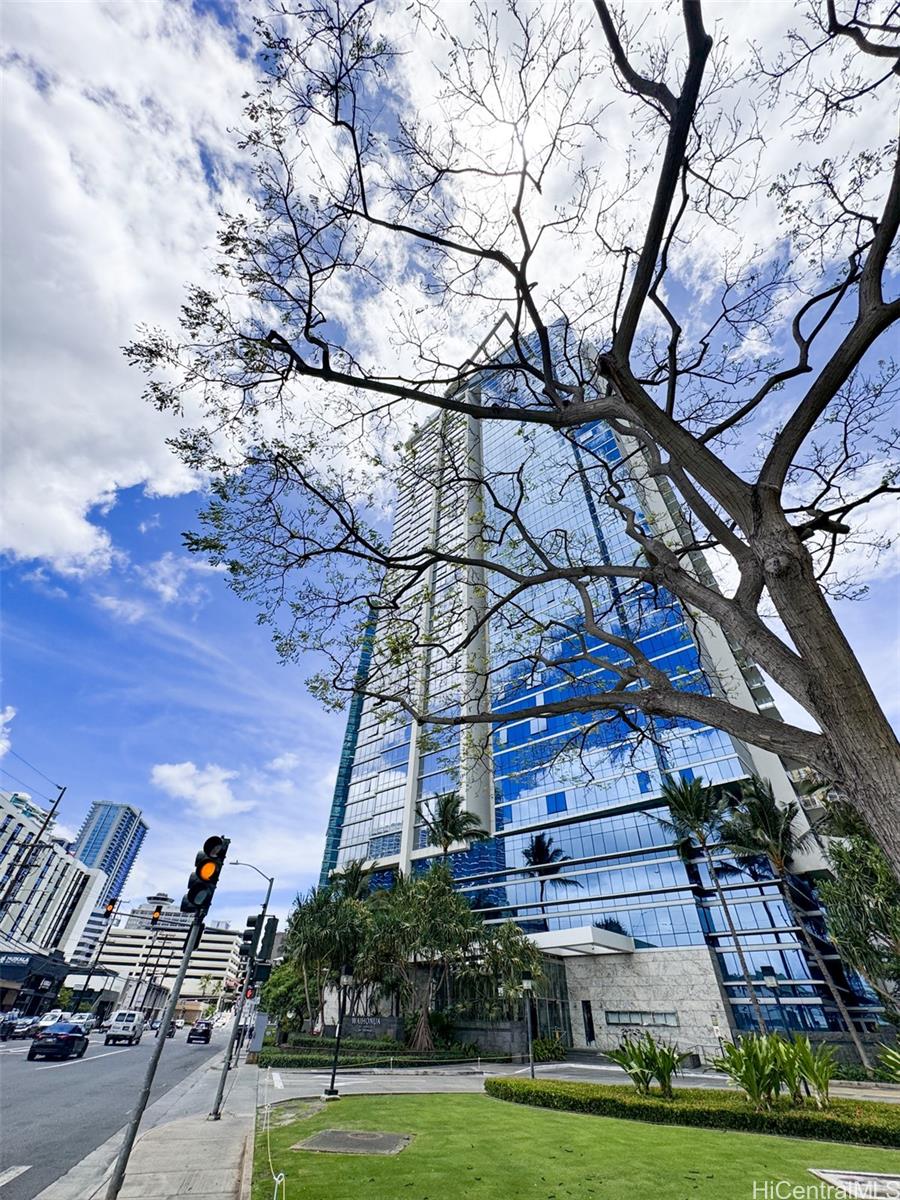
(206, 789)
(6, 716)
(122, 609)
(284, 764)
(112, 115)
(173, 578)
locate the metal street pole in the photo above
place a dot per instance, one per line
(216, 1113)
(331, 1092)
(118, 1177)
(83, 990)
(527, 985)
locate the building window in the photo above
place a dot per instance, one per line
(643, 778)
(538, 725)
(556, 802)
(587, 1017)
(631, 1017)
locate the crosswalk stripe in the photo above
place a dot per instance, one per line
(12, 1173)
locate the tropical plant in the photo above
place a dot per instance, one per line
(353, 880)
(612, 925)
(862, 903)
(665, 1060)
(695, 813)
(754, 1064)
(816, 1066)
(645, 1058)
(631, 1055)
(549, 1049)
(890, 1062)
(448, 822)
(545, 861)
(758, 824)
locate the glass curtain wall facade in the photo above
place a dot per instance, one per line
(581, 786)
(109, 839)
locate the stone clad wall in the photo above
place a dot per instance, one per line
(681, 981)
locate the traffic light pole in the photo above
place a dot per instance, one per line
(216, 1113)
(118, 1177)
(85, 987)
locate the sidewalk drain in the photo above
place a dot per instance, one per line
(355, 1141)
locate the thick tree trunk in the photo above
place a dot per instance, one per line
(810, 942)
(732, 931)
(862, 750)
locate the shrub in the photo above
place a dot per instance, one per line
(305, 1059)
(645, 1059)
(548, 1049)
(859, 1121)
(632, 1058)
(763, 1064)
(815, 1066)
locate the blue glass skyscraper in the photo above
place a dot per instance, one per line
(579, 854)
(109, 839)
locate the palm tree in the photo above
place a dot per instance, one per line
(544, 861)
(759, 825)
(449, 822)
(696, 812)
(354, 881)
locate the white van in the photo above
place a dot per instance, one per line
(127, 1025)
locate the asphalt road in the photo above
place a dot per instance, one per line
(53, 1114)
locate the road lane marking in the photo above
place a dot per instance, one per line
(277, 1081)
(12, 1173)
(70, 1062)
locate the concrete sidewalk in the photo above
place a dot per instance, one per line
(179, 1152)
(196, 1157)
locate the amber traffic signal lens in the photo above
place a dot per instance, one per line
(208, 870)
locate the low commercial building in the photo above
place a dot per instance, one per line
(46, 897)
(151, 957)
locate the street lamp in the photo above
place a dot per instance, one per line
(345, 982)
(528, 988)
(216, 1113)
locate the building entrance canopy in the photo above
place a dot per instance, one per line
(586, 939)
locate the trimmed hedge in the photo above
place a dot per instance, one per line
(863, 1122)
(271, 1057)
(377, 1045)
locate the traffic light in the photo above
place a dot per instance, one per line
(264, 954)
(109, 908)
(263, 966)
(156, 914)
(250, 993)
(207, 869)
(248, 937)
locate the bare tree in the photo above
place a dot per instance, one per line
(605, 197)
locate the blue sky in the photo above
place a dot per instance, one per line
(134, 674)
(152, 684)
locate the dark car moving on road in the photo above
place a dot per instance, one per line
(59, 1041)
(201, 1031)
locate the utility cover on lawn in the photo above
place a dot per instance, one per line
(355, 1141)
(865, 1184)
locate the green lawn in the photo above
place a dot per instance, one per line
(477, 1148)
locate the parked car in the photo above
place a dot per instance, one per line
(63, 1039)
(127, 1025)
(200, 1031)
(155, 1024)
(180, 1023)
(25, 1027)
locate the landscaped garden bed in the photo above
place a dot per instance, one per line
(860, 1121)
